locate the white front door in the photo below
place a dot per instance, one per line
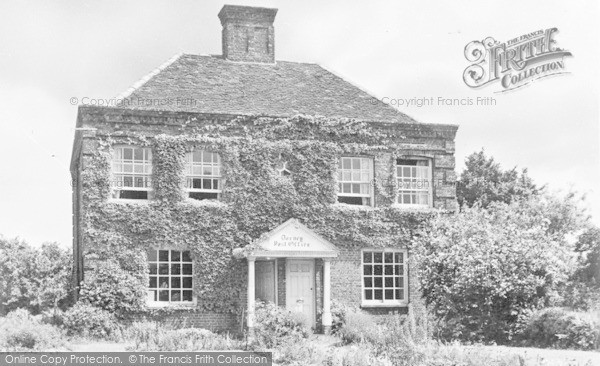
(300, 281)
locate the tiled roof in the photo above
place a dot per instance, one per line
(210, 84)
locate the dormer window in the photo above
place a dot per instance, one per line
(203, 175)
(132, 172)
(414, 182)
(355, 175)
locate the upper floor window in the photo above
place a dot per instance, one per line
(170, 276)
(132, 172)
(385, 280)
(414, 182)
(203, 175)
(355, 175)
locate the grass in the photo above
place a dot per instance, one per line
(543, 356)
(479, 355)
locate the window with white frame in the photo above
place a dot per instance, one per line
(355, 175)
(385, 280)
(203, 175)
(171, 276)
(131, 172)
(414, 182)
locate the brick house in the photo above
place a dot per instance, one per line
(220, 180)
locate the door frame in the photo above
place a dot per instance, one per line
(313, 283)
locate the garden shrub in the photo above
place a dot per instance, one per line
(482, 270)
(296, 352)
(89, 321)
(276, 325)
(151, 336)
(360, 327)
(559, 328)
(354, 356)
(339, 310)
(20, 331)
(113, 289)
(35, 279)
(397, 338)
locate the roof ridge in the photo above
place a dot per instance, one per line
(138, 84)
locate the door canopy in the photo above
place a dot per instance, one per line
(290, 240)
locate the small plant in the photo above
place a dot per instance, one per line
(361, 355)
(360, 327)
(339, 311)
(113, 289)
(556, 327)
(21, 331)
(150, 336)
(300, 352)
(276, 325)
(89, 321)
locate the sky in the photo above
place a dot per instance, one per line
(52, 51)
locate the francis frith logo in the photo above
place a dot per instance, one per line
(516, 62)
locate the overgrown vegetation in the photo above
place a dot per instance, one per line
(111, 288)
(510, 251)
(255, 198)
(282, 332)
(558, 328)
(90, 321)
(37, 279)
(152, 336)
(20, 331)
(482, 271)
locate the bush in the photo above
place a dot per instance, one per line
(276, 325)
(300, 352)
(35, 279)
(113, 289)
(339, 311)
(359, 327)
(150, 336)
(89, 321)
(354, 356)
(558, 328)
(397, 338)
(481, 270)
(20, 331)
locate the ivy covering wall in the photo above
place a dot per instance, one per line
(255, 198)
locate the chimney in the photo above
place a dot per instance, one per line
(248, 33)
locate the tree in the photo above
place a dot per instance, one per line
(52, 277)
(33, 278)
(483, 269)
(483, 181)
(16, 264)
(588, 245)
(583, 289)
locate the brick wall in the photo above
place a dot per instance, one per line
(346, 282)
(248, 34)
(215, 322)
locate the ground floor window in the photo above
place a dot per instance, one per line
(170, 276)
(385, 279)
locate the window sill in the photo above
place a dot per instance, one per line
(412, 207)
(122, 201)
(170, 305)
(385, 305)
(212, 203)
(345, 206)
